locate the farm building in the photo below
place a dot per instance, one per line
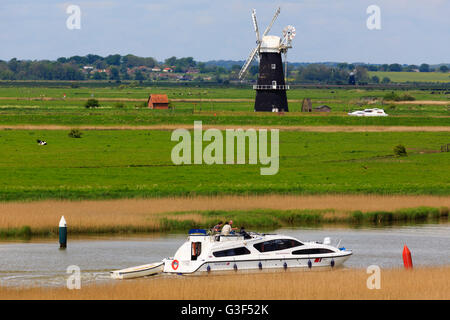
(306, 105)
(323, 108)
(158, 101)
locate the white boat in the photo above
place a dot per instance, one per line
(204, 252)
(138, 271)
(375, 112)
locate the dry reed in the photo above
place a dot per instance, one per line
(145, 214)
(345, 284)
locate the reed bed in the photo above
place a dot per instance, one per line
(24, 219)
(342, 284)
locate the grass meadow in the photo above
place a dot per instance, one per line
(111, 164)
(213, 105)
(412, 76)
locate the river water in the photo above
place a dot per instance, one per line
(41, 263)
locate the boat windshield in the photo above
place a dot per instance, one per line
(277, 244)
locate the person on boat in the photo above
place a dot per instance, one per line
(217, 227)
(232, 231)
(226, 229)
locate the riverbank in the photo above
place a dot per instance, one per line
(340, 284)
(27, 219)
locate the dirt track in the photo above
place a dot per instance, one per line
(223, 127)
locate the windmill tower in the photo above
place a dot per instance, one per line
(271, 85)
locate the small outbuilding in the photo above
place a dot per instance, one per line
(158, 101)
(322, 108)
(306, 105)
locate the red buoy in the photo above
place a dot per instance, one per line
(407, 260)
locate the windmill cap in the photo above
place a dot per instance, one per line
(270, 44)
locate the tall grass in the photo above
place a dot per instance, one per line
(339, 284)
(258, 220)
(272, 219)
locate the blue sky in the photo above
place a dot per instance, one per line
(412, 31)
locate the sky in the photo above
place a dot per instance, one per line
(411, 31)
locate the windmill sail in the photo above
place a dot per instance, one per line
(248, 62)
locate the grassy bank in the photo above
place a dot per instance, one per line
(340, 284)
(181, 221)
(272, 219)
(146, 117)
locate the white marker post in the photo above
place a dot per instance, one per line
(62, 233)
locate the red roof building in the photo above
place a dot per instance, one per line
(158, 101)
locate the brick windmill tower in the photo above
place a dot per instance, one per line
(271, 85)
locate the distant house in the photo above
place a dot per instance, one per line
(323, 108)
(156, 69)
(158, 101)
(167, 70)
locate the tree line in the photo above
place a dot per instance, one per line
(130, 67)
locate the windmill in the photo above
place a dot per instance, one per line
(271, 85)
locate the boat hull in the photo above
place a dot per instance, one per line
(138, 271)
(187, 267)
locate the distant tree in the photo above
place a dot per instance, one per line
(99, 76)
(138, 76)
(384, 67)
(170, 61)
(131, 61)
(92, 103)
(372, 67)
(395, 67)
(375, 79)
(75, 133)
(342, 65)
(235, 67)
(386, 80)
(443, 68)
(424, 67)
(13, 65)
(100, 64)
(361, 74)
(114, 74)
(254, 70)
(202, 67)
(400, 151)
(91, 58)
(113, 60)
(411, 67)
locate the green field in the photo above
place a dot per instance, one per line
(26, 105)
(129, 163)
(125, 163)
(412, 76)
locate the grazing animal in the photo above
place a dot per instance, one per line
(41, 142)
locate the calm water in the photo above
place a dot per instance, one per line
(41, 263)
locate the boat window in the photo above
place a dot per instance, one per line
(196, 250)
(232, 252)
(312, 251)
(278, 244)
